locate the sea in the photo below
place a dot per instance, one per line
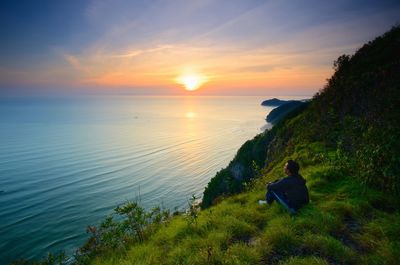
(66, 163)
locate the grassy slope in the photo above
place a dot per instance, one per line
(345, 223)
(345, 142)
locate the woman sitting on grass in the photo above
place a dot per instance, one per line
(291, 191)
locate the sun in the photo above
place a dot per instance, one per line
(191, 82)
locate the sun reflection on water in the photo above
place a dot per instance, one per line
(190, 115)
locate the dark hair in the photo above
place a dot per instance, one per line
(293, 167)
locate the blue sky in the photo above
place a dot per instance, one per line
(234, 47)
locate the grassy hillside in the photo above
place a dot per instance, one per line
(346, 142)
(345, 223)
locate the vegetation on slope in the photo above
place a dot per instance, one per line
(345, 223)
(346, 141)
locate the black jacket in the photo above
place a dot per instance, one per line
(293, 189)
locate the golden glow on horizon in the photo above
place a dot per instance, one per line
(168, 71)
(191, 82)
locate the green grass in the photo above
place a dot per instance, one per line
(345, 223)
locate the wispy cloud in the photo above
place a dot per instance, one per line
(75, 62)
(134, 53)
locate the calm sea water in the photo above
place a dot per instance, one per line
(66, 163)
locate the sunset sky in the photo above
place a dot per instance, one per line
(157, 47)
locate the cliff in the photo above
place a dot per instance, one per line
(355, 114)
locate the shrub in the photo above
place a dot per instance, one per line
(133, 224)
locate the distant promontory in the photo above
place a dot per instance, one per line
(274, 102)
(283, 107)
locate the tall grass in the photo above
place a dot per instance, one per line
(343, 224)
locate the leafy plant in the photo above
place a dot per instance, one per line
(133, 224)
(193, 211)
